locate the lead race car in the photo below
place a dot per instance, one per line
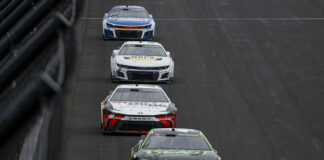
(138, 61)
(128, 22)
(137, 109)
(174, 144)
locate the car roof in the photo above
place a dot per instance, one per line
(143, 43)
(127, 6)
(139, 86)
(176, 131)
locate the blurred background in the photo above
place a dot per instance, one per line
(37, 51)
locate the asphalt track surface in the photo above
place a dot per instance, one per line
(248, 73)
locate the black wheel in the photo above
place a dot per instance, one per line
(170, 81)
(104, 38)
(101, 129)
(113, 79)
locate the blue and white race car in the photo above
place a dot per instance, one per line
(128, 22)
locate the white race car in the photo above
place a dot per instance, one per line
(137, 109)
(142, 62)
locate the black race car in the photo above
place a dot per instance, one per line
(174, 144)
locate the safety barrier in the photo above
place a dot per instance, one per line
(36, 52)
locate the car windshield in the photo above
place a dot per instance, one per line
(139, 94)
(129, 13)
(193, 142)
(142, 50)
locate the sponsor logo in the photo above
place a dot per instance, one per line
(142, 58)
(140, 118)
(173, 152)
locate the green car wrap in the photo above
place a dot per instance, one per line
(139, 152)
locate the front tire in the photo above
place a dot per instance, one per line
(171, 80)
(104, 37)
(113, 79)
(101, 130)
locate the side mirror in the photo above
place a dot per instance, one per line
(168, 53)
(110, 92)
(106, 15)
(150, 16)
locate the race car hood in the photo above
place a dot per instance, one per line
(172, 154)
(139, 108)
(143, 61)
(130, 21)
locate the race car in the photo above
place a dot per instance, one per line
(138, 61)
(137, 109)
(128, 22)
(174, 144)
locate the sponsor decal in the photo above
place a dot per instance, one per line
(182, 130)
(142, 58)
(173, 152)
(111, 116)
(188, 135)
(140, 118)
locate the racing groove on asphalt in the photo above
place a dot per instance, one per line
(254, 87)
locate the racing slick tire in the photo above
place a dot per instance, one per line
(170, 81)
(153, 36)
(104, 38)
(101, 129)
(113, 79)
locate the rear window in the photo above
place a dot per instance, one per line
(194, 142)
(139, 94)
(142, 50)
(129, 13)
